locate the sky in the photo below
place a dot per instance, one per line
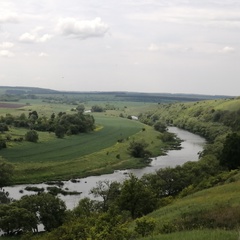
(160, 46)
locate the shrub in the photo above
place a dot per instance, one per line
(31, 136)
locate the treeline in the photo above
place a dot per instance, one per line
(60, 124)
(117, 206)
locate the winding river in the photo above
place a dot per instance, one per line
(192, 144)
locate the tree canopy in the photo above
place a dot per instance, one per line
(230, 156)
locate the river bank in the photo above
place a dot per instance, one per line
(190, 147)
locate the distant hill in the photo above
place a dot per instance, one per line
(25, 90)
(113, 96)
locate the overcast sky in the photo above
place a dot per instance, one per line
(173, 46)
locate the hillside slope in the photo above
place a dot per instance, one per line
(214, 208)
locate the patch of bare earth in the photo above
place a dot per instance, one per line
(11, 105)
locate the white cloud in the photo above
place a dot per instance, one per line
(43, 54)
(9, 18)
(6, 53)
(169, 47)
(191, 15)
(82, 29)
(153, 47)
(227, 49)
(34, 37)
(6, 45)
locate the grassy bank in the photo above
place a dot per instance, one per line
(83, 155)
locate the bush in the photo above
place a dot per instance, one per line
(31, 136)
(138, 149)
(145, 226)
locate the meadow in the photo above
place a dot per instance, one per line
(97, 152)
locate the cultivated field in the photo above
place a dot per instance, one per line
(97, 152)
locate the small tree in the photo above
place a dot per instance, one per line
(160, 127)
(138, 149)
(31, 136)
(60, 131)
(80, 108)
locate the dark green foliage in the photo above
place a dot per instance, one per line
(6, 172)
(60, 131)
(80, 108)
(14, 219)
(4, 197)
(138, 149)
(3, 127)
(31, 136)
(97, 108)
(136, 197)
(61, 124)
(160, 127)
(168, 137)
(86, 207)
(48, 209)
(230, 156)
(2, 144)
(108, 191)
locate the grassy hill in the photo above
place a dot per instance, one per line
(212, 214)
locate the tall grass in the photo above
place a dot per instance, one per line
(198, 235)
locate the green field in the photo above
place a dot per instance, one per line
(72, 147)
(80, 155)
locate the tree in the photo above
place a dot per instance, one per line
(51, 211)
(136, 198)
(138, 149)
(6, 172)
(3, 127)
(86, 207)
(14, 219)
(59, 131)
(80, 108)
(97, 108)
(160, 127)
(4, 197)
(230, 156)
(48, 209)
(31, 136)
(108, 191)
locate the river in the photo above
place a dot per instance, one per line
(192, 144)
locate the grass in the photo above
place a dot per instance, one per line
(218, 202)
(83, 155)
(72, 147)
(198, 235)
